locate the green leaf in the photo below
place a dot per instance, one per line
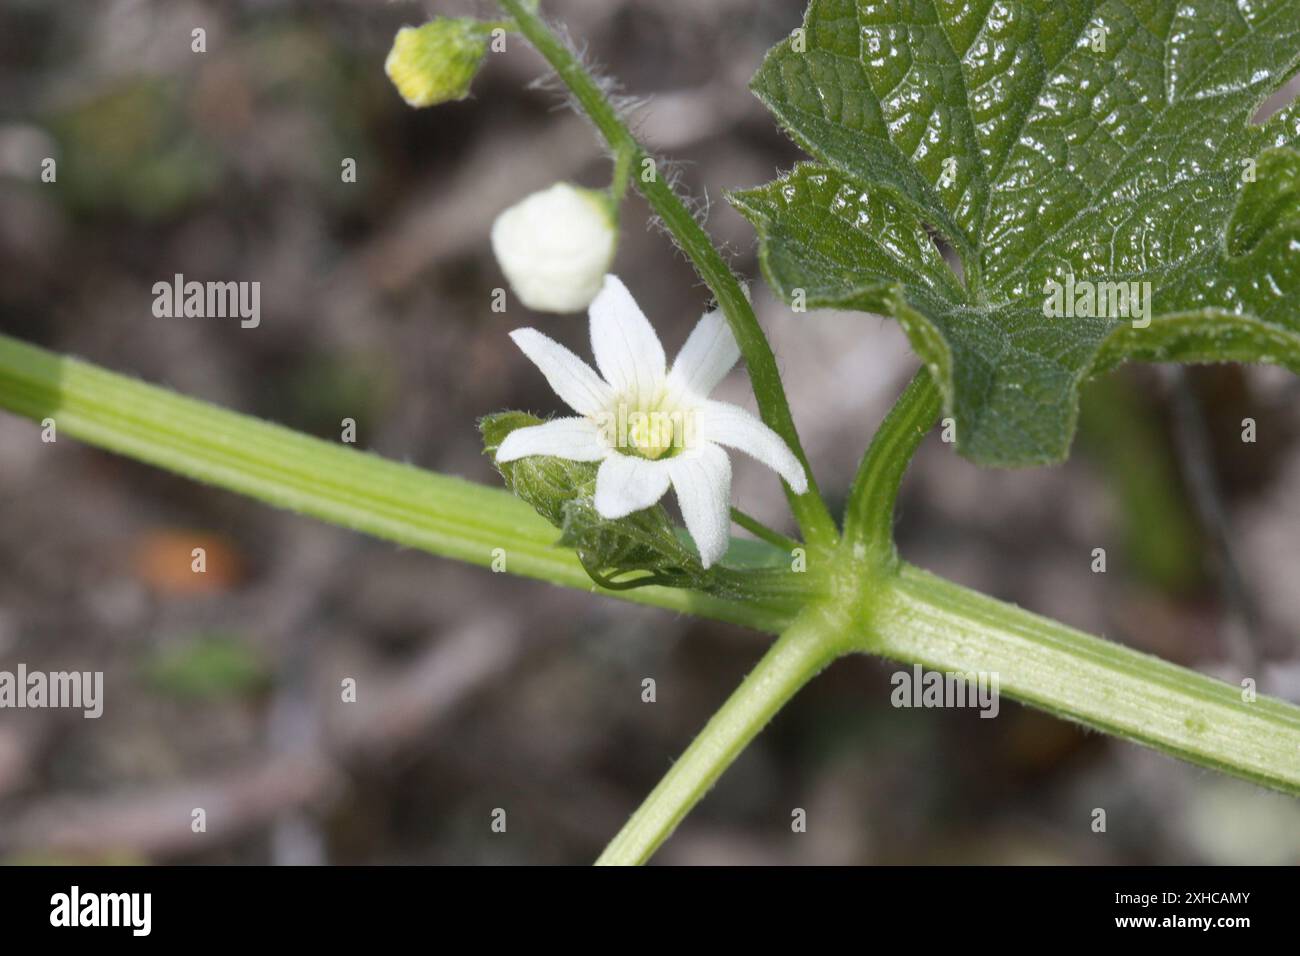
(1099, 142)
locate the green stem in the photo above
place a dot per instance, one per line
(762, 531)
(923, 619)
(336, 483)
(917, 618)
(810, 509)
(796, 657)
(869, 517)
(622, 174)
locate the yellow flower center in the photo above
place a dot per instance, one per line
(651, 435)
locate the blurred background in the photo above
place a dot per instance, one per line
(480, 691)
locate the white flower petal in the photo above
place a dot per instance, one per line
(572, 379)
(708, 355)
(628, 352)
(625, 484)
(702, 480)
(734, 427)
(573, 438)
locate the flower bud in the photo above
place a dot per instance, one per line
(556, 245)
(437, 62)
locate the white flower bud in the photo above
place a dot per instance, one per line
(556, 246)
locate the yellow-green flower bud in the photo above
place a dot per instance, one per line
(437, 62)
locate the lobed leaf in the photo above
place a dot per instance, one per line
(1091, 142)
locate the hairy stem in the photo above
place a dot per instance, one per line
(796, 657)
(622, 174)
(810, 509)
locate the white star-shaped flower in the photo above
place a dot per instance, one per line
(650, 426)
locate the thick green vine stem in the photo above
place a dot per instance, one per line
(809, 509)
(924, 619)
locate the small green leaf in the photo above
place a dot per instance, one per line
(1106, 143)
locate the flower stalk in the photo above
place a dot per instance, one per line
(762, 531)
(809, 509)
